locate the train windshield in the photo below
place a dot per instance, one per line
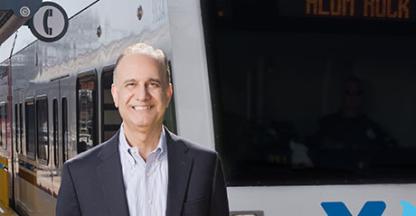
(313, 92)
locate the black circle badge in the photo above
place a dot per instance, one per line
(49, 23)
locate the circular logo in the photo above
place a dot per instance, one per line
(49, 23)
(24, 11)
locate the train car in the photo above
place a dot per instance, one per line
(309, 103)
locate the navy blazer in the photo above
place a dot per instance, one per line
(92, 183)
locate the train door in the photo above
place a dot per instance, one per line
(61, 100)
(17, 140)
(57, 128)
(67, 115)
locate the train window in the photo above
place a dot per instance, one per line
(30, 122)
(111, 118)
(170, 114)
(16, 127)
(21, 127)
(42, 130)
(65, 132)
(309, 99)
(86, 113)
(5, 124)
(55, 131)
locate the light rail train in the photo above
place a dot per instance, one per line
(309, 103)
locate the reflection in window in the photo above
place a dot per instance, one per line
(2, 125)
(5, 125)
(170, 115)
(65, 132)
(16, 128)
(111, 117)
(308, 102)
(86, 88)
(55, 131)
(42, 129)
(30, 129)
(21, 127)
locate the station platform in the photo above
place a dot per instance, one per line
(6, 211)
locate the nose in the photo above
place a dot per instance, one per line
(143, 93)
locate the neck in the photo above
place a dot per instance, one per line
(145, 139)
(350, 113)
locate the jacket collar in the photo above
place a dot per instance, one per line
(111, 176)
(179, 168)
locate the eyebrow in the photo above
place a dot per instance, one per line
(155, 80)
(151, 80)
(129, 80)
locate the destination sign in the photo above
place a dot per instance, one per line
(394, 17)
(385, 9)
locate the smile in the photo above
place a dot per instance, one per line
(141, 107)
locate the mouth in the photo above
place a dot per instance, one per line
(141, 107)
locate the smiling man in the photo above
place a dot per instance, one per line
(144, 169)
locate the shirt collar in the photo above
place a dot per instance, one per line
(126, 149)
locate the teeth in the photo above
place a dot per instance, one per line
(141, 107)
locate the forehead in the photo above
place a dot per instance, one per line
(137, 65)
(353, 85)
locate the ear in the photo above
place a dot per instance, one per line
(114, 93)
(169, 92)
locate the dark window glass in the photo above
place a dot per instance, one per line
(170, 114)
(2, 122)
(16, 127)
(87, 108)
(21, 126)
(30, 123)
(55, 131)
(65, 133)
(310, 100)
(5, 124)
(111, 117)
(42, 129)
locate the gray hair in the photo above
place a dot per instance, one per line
(149, 51)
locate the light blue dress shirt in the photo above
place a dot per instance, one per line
(146, 182)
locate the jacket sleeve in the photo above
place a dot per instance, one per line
(67, 204)
(219, 199)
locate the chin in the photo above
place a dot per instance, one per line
(143, 124)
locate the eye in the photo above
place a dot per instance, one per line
(154, 84)
(130, 84)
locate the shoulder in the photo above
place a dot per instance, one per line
(91, 156)
(331, 119)
(194, 149)
(332, 116)
(205, 162)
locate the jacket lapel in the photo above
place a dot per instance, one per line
(179, 167)
(110, 176)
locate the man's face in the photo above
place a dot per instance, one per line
(353, 96)
(141, 92)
